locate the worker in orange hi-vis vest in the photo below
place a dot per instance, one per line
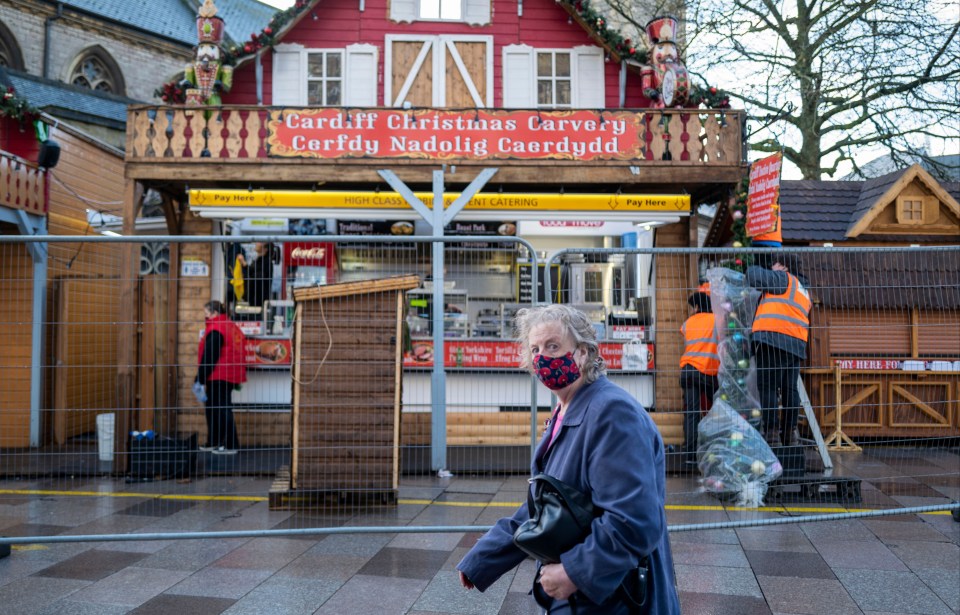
(781, 330)
(699, 366)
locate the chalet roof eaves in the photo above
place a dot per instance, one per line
(891, 184)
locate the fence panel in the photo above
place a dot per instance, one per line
(345, 422)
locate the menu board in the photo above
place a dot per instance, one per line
(525, 281)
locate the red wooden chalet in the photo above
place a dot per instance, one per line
(334, 91)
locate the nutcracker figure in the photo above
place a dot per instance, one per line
(207, 77)
(665, 80)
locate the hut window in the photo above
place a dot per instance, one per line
(910, 210)
(449, 10)
(325, 78)
(554, 79)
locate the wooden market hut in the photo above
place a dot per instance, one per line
(381, 60)
(887, 323)
(348, 359)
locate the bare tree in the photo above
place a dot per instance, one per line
(823, 78)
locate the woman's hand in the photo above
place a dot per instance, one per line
(554, 581)
(467, 583)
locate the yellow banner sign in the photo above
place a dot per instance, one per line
(392, 200)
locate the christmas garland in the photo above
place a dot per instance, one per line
(17, 108)
(738, 227)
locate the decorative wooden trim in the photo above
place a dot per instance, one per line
(871, 388)
(939, 419)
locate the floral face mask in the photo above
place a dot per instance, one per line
(556, 372)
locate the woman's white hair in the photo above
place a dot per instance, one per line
(577, 326)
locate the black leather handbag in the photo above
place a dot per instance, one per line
(560, 517)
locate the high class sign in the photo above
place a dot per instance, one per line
(437, 134)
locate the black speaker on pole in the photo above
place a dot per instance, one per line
(49, 154)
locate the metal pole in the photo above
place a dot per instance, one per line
(438, 378)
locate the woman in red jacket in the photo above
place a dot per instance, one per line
(222, 368)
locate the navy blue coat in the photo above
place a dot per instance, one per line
(609, 448)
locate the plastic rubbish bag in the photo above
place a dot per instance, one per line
(733, 457)
(200, 392)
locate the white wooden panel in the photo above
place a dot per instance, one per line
(519, 77)
(588, 78)
(476, 12)
(289, 76)
(360, 89)
(403, 11)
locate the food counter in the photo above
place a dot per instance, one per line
(268, 374)
(472, 363)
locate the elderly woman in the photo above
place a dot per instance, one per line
(601, 441)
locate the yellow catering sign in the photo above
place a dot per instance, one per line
(392, 200)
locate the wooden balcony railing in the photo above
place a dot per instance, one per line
(23, 185)
(689, 137)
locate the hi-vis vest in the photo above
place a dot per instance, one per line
(788, 313)
(700, 351)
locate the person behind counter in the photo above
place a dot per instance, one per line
(601, 441)
(258, 273)
(222, 367)
(699, 367)
(781, 329)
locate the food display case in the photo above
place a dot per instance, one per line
(419, 313)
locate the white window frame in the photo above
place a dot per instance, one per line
(460, 19)
(439, 85)
(572, 56)
(472, 12)
(323, 80)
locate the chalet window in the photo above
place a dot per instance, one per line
(448, 10)
(325, 78)
(553, 79)
(910, 209)
(473, 12)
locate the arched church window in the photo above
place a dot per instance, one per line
(10, 56)
(96, 70)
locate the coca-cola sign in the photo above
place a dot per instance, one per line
(309, 254)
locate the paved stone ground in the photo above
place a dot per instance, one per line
(895, 564)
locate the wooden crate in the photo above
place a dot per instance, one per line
(346, 393)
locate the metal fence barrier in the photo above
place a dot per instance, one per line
(365, 404)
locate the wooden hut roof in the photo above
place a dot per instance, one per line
(816, 211)
(885, 280)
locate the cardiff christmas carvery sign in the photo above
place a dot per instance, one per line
(472, 134)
